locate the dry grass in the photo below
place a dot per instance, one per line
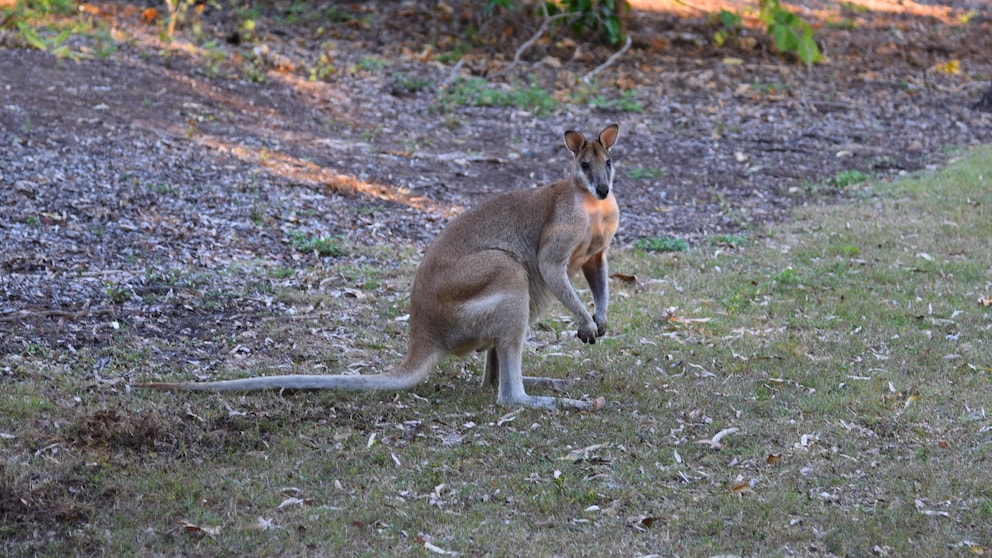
(820, 391)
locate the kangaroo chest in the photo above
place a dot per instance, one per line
(603, 217)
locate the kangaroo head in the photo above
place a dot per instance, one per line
(591, 164)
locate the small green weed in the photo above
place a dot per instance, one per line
(605, 98)
(644, 173)
(845, 178)
(325, 66)
(371, 65)
(787, 276)
(769, 88)
(47, 43)
(729, 240)
(411, 83)
(789, 31)
(662, 244)
(161, 188)
(728, 25)
(625, 102)
(321, 245)
(117, 293)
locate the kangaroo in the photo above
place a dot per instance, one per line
(492, 272)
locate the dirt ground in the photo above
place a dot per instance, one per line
(122, 170)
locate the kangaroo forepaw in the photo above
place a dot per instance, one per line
(600, 325)
(587, 335)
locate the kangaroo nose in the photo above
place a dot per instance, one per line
(602, 192)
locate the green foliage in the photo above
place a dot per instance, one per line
(845, 178)
(604, 18)
(54, 45)
(411, 82)
(117, 294)
(325, 64)
(626, 102)
(729, 240)
(605, 98)
(789, 31)
(321, 245)
(600, 16)
(477, 92)
(728, 26)
(371, 65)
(662, 244)
(46, 7)
(787, 276)
(492, 5)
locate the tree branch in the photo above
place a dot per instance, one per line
(530, 42)
(588, 77)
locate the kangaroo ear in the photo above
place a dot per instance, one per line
(609, 136)
(574, 141)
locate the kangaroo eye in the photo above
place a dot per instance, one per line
(609, 164)
(585, 165)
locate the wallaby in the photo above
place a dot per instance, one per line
(491, 273)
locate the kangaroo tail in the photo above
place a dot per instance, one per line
(414, 369)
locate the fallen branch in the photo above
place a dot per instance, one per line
(588, 77)
(530, 42)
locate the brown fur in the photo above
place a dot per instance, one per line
(492, 272)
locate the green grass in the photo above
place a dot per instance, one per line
(321, 245)
(644, 173)
(843, 356)
(662, 244)
(477, 92)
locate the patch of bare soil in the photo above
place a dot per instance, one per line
(143, 191)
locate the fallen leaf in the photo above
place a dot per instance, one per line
(742, 487)
(290, 502)
(262, 524)
(950, 67)
(985, 301)
(624, 278)
(212, 531)
(640, 522)
(714, 442)
(509, 417)
(149, 15)
(687, 321)
(773, 457)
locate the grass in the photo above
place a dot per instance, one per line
(477, 92)
(821, 389)
(320, 245)
(662, 244)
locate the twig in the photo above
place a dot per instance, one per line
(588, 77)
(453, 75)
(530, 42)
